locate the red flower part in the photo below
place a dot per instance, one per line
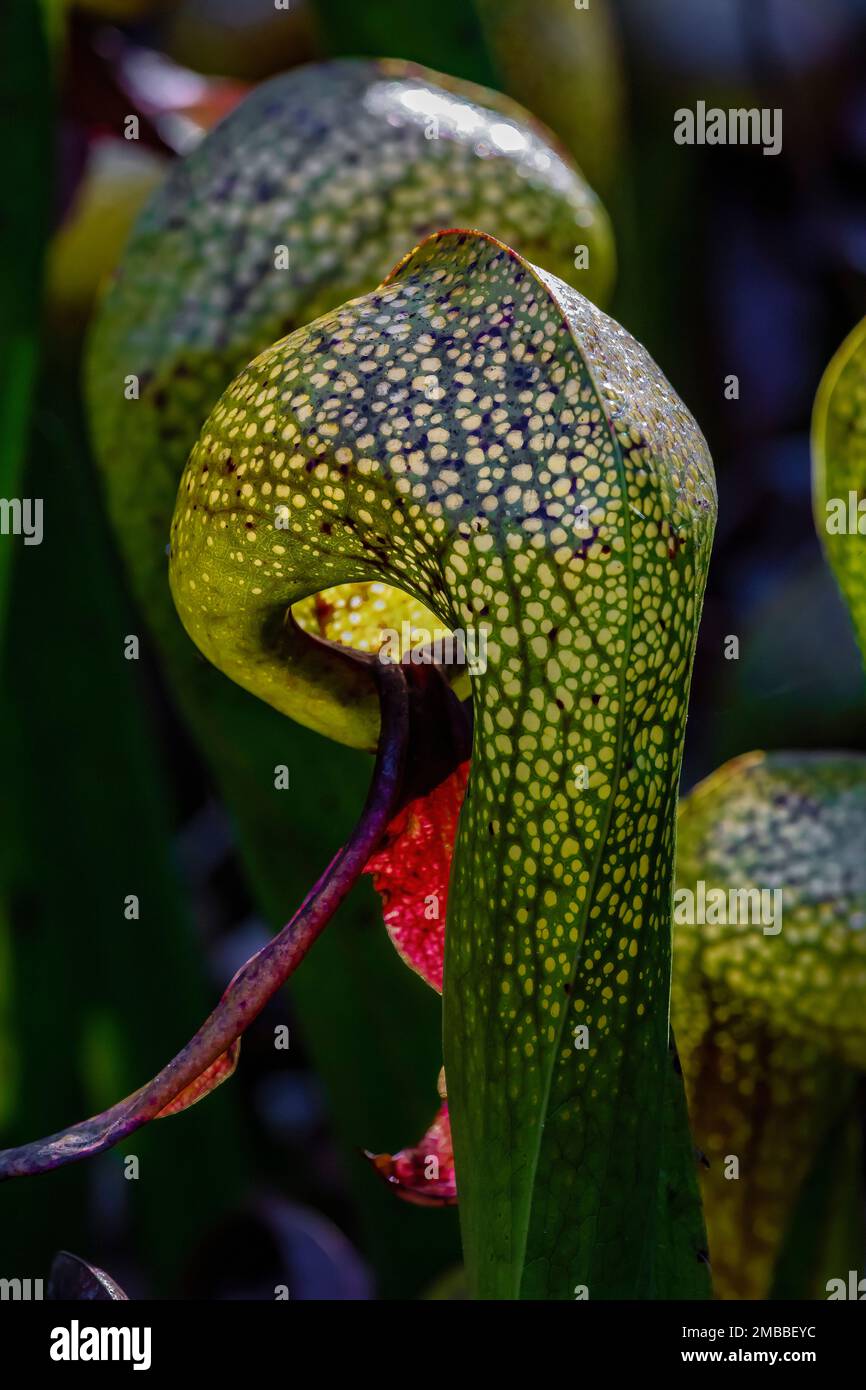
(424, 1174)
(207, 1081)
(411, 869)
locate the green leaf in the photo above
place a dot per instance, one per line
(839, 472)
(570, 519)
(682, 1237)
(199, 292)
(771, 1025)
(197, 296)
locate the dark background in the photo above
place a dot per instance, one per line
(730, 263)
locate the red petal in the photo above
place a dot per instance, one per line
(411, 870)
(210, 1078)
(423, 1174)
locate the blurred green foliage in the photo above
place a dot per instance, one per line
(97, 1002)
(445, 36)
